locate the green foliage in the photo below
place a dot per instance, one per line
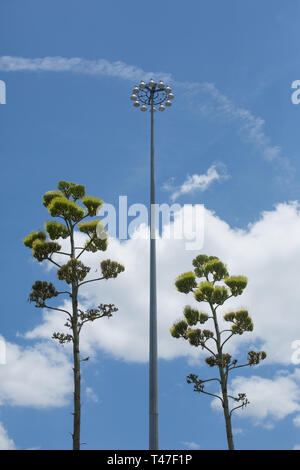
(198, 384)
(204, 292)
(202, 263)
(186, 282)
(96, 245)
(229, 316)
(89, 227)
(220, 294)
(191, 315)
(103, 310)
(28, 241)
(44, 250)
(241, 321)
(213, 271)
(210, 361)
(198, 263)
(73, 271)
(222, 360)
(254, 358)
(62, 203)
(197, 337)
(179, 329)
(92, 204)
(111, 269)
(92, 228)
(41, 291)
(56, 230)
(62, 207)
(236, 284)
(216, 268)
(208, 334)
(62, 338)
(203, 317)
(76, 191)
(194, 337)
(49, 195)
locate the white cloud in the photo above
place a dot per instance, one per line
(270, 399)
(191, 445)
(219, 106)
(6, 443)
(91, 395)
(237, 431)
(216, 105)
(38, 376)
(267, 252)
(296, 447)
(296, 421)
(100, 67)
(199, 182)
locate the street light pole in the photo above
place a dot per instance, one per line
(153, 368)
(152, 94)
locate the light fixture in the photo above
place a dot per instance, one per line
(152, 96)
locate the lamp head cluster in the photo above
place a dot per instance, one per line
(152, 94)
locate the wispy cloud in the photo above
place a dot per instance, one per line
(250, 127)
(237, 431)
(101, 67)
(196, 182)
(191, 445)
(296, 421)
(91, 395)
(6, 443)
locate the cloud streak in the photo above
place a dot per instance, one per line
(198, 182)
(191, 445)
(218, 106)
(100, 67)
(250, 127)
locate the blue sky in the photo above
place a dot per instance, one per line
(231, 65)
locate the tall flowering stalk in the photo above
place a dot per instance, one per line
(215, 287)
(71, 206)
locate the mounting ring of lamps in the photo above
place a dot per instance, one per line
(152, 94)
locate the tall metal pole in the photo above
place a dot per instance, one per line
(153, 372)
(152, 94)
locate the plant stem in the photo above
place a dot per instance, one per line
(76, 358)
(223, 380)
